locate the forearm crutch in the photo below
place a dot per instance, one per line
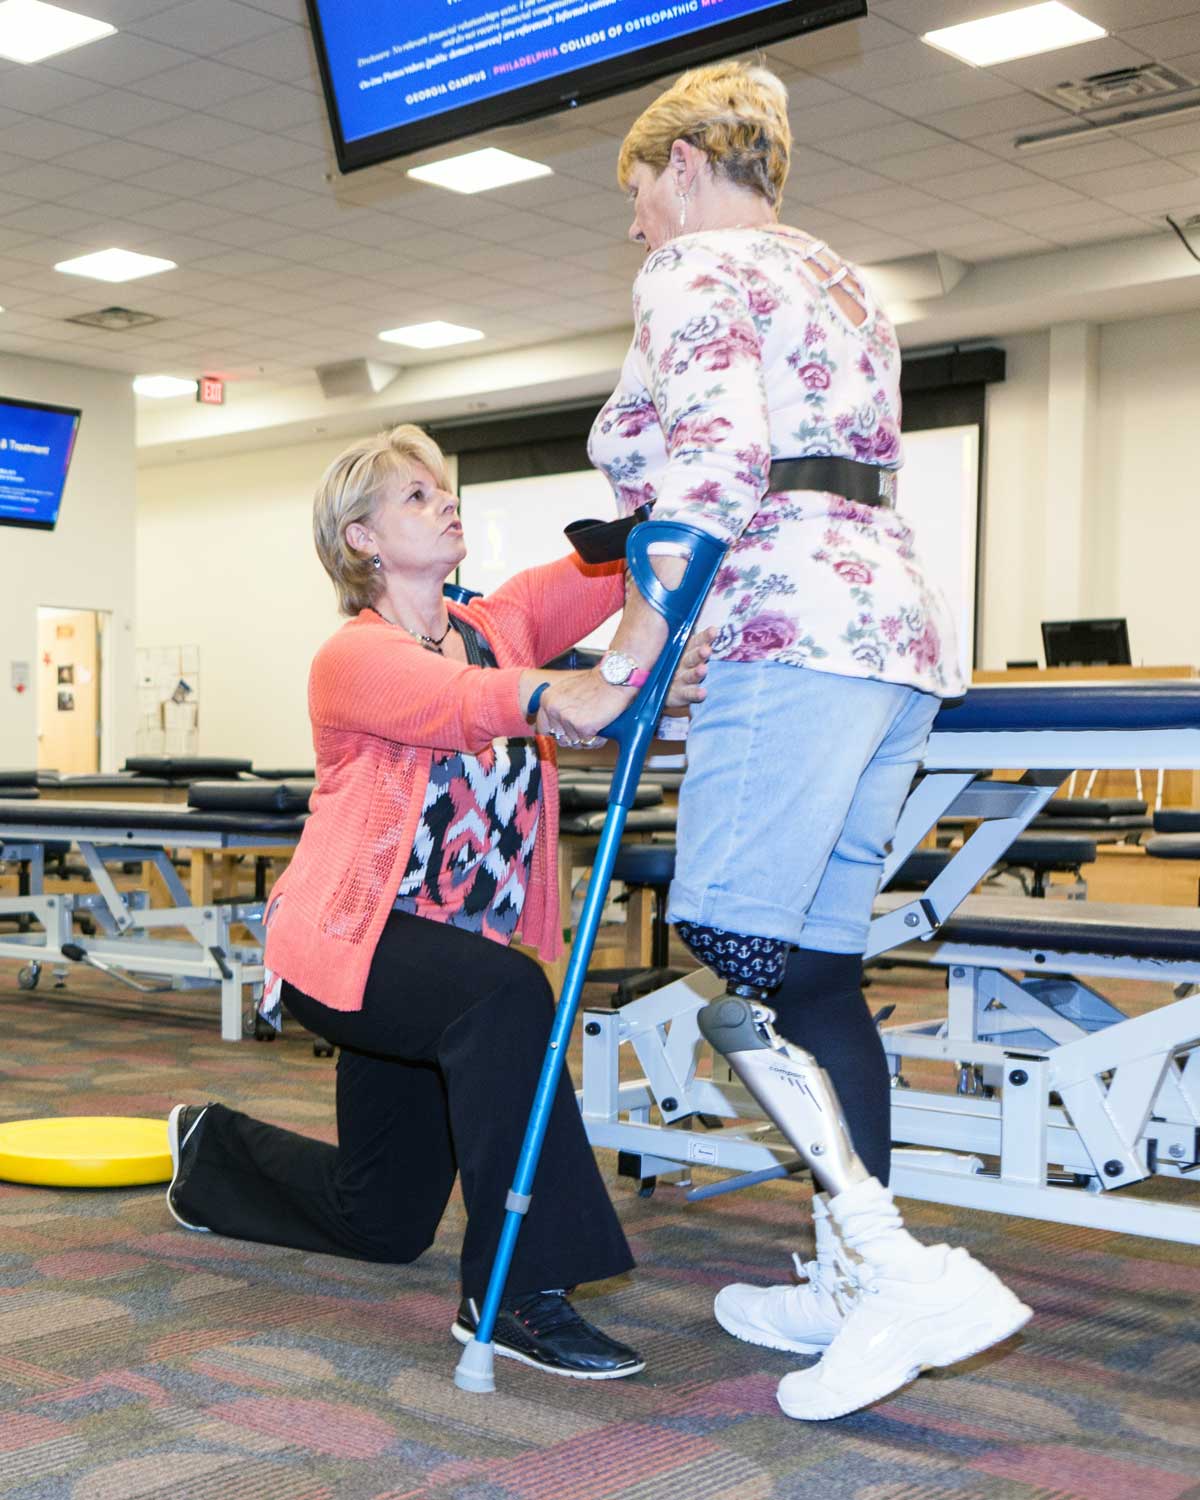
(632, 732)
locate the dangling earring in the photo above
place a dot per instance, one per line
(683, 198)
(377, 562)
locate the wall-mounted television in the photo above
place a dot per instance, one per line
(1086, 643)
(403, 75)
(36, 443)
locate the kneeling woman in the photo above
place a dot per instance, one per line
(431, 840)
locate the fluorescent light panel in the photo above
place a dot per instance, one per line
(31, 31)
(477, 171)
(114, 265)
(431, 335)
(162, 386)
(1017, 33)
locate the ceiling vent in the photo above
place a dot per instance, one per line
(115, 319)
(1123, 86)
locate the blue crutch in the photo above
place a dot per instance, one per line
(633, 732)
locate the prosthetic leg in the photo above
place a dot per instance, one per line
(928, 1305)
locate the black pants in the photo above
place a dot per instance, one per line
(435, 1076)
(821, 1007)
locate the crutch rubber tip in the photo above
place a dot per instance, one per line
(474, 1370)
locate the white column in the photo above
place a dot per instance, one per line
(1072, 404)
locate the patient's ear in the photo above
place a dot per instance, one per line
(358, 537)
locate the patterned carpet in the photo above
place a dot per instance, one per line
(137, 1360)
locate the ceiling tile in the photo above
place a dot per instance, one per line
(1171, 140)
(120, 59)
(1015, 112)
(847, 116)
(266, 154)
(1017, 200)
(44, 182)
(250, 196)
(1168, 197)
(286, 55)
(1010, 245)
(206, 26)
(868, 146)
(1150, 174)
(880, 204)
(188, 178)
(936, 161)
(278, 107)
(944, 91)
(1000, 177)
(42, 139)
(115, 112)
(118, 159)
(1167, 39)
(1123, 228)
(115, 198)
(887, 66)
(198, 84)
(41, 90)
(190, 134)
(1048, 69)
(1092, 155)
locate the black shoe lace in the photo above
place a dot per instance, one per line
(545, 1312)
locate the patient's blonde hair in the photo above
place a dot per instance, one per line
(735, 112)
(348, 491)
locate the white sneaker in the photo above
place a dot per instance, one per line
(182, 1123)
(917, 1307)
(801, 1319)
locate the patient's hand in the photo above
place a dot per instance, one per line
(692, 669)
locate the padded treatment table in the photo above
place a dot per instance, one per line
(120, 786)
(1060, 1099)
(131, 931)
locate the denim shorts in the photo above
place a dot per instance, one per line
(794, 785)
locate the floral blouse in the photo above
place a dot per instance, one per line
(740, 355)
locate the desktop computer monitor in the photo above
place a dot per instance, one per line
(1086, 643)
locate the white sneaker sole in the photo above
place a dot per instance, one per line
(822, 1405)
(752, 1335)
(464, 1337)
(173, 1142)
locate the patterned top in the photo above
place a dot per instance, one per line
(473, 849)
(470, 861)
(741, 354)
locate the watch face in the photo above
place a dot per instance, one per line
(616, 668)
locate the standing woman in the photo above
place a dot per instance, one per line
(431, 842)
(760, 401)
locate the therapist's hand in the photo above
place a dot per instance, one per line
(580, 704)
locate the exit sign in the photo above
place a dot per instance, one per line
(210, 391)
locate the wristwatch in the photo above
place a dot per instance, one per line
(620, 670)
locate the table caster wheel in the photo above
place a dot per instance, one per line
(27, 978)
(645, 1188)
(263, 1030)
(322, 1049)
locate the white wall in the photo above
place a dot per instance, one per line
(1136, 538)
(87, 562)
(225, 562)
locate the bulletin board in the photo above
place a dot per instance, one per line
(168, 700)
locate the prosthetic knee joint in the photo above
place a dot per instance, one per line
(788, 1084)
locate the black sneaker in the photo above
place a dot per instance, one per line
(182, 1124)
(545, 1331)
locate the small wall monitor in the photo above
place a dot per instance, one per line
(36, 443)
(1086, 643)
(403, 75)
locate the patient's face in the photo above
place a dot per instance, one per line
(655, 204)
(416, 525)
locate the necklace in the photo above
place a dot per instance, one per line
(430, 642)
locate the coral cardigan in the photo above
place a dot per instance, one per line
(380, 705)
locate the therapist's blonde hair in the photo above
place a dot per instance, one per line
(348, 492)
(735, 112)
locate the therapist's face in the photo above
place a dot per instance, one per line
(415, 525)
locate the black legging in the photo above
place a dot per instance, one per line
(820, 1006)
(435, 1077)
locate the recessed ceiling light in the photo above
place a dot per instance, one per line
(31, 31)
(477, 171)
(162, 386)
(1017, 33)
(114, 265)
(431, 335)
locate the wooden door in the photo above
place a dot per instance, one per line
(68, 691)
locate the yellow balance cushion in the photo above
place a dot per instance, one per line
(85, 1151)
